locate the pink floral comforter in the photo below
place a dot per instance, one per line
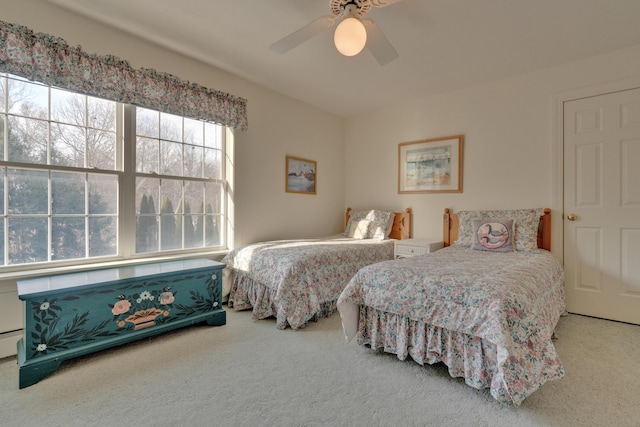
(488, 316)
(298, 280)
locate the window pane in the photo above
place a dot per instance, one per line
(103, 236)
(171, 193)
(149, 188)
(27, 140)
(170, 235)
(28, 99)
(194, 193)
(215, 238)
(67, 238)
(170, 238)
(68, 107)
(193, 131)
(101, 149)
(191, 239)
(213, 206)
(28, 192)
(147, 208)
(212, 230)
(170, 158)
(101, 114)
(67, 145)
(213, 135)
(103, 194)
(213, 197)
(147, 122)
(193, 161)
(27, 240)
(67, 193)
(170, 127)
(212, 164)
(198, 234)
(147, 155)
(147, 233)
(193, 196)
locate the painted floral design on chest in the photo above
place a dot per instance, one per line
(140, 310)
(59, 323)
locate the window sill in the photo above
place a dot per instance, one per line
(44, 271)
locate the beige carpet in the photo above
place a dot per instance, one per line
(249, 373)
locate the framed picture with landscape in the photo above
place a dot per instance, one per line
(430, 165)
(300, 176)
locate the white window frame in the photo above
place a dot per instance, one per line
(126, 242)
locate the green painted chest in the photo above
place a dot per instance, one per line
(70, 315)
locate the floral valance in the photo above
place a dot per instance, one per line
(50, 60)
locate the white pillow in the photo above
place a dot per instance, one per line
(359, 229)
(380, 222)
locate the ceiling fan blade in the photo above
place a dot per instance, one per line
(378, 44)
(383, 3)
(300, 36)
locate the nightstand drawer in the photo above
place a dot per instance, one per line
(415, 247)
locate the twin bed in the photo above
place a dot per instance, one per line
(297, 281)
(486, 305)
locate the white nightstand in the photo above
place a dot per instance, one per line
(414, 247)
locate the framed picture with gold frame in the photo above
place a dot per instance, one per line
(430, 165)
(301, 175)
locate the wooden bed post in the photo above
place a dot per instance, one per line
(544, 235)
(450, 224)
(407, 227)
(446, 227)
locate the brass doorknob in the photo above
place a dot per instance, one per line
(572, 217)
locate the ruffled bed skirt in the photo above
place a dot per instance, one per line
(248, 294)
(481, 363)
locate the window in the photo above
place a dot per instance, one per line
(83, 178)
(179, 185)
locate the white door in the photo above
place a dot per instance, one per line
(602, 205)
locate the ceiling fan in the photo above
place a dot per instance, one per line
(352, 34)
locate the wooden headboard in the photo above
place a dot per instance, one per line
(451, 223)
(401, 228)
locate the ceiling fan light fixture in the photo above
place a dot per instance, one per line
(350, 36)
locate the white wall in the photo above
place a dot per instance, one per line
(278, 126)
(510, 148)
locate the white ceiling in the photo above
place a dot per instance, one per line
(443, 44)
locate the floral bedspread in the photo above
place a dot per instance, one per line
(298, 280)
(488, 316)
